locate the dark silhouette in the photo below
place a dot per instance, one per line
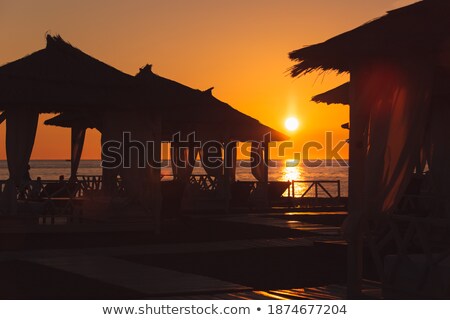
(399, 85)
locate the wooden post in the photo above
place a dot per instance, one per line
(229, 173)
(289, 190)
(175, 154)
(355, 267)
(230, 150)
(339, 188)
(355, 194)
(266, 158)
(109, 176)
(266, 155)
(76, 148)
(293, 189)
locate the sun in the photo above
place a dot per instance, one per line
(291, 123)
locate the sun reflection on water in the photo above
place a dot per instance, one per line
(292, 172)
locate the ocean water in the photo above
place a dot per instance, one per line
(52, 169)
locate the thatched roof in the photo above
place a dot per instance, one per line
(338, 95)
(421, 29)
(186, 110)
(71, 119)
(61, 77)
(238, 125)
(181, 100)
(197, 110)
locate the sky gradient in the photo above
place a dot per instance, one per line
(239, 47)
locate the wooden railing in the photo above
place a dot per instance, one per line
(65, 197)
(89, 184)
(205, 183)
(48, 198)
(315, 194)
(315, 188)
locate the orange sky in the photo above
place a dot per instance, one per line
(239, 47)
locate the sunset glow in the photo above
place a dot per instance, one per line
(240, 48)
(291, 124)
(224, 150)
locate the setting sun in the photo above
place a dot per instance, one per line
(291, 124)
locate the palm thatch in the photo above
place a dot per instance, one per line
(338, 95)
(421, 29)
(200, 111)
(61, 77)
(71, 119)
(185, 110)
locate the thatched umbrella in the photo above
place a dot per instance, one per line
(338, 95)
(185, 110)
(398, 93)
(70, 119)
(62, 78)
(420, 29)
(200, 111)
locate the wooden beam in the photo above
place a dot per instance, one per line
(266, 154)
(355, 206)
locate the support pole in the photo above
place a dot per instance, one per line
(266, 160)
(355, 194)
(266, 154)
(175, 155)
(77, 143)
(229, 171)
(355, 267)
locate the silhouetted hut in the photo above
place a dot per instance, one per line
(62, 78)
(398, 96)
(186, 111)
(200, 110)
(210, 119)
(338, 95)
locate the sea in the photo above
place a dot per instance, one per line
(280, 170)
